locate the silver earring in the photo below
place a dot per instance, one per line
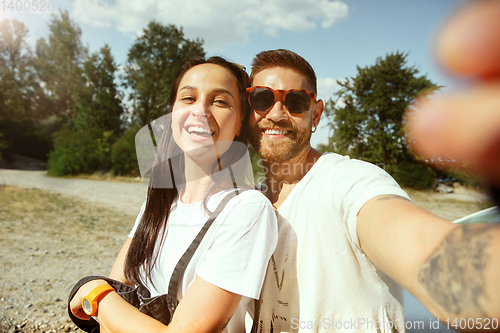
(314, 128)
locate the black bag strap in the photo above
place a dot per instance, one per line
(186, 257)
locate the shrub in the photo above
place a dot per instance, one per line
(23, 137)
(414, 175)
(3, 145)
(123, 154)
(79, 152)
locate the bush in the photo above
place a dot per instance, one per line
(79, 152)
(23, 137)
(3, 145)
(414, 175)
(123, 154)
(467, 178)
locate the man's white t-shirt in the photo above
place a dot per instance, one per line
(233, 255)
(319, 279)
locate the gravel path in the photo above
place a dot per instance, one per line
(126, 197)
(40, 264)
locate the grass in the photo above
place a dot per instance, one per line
(44, 216)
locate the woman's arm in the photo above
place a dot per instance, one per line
(118, 269)
(204, 308)
(117, 273)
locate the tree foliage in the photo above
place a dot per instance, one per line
(59, 97)
(80, 152)
(367, 117)
(99, 104)
(153, 61)
(59, 65)
(16, 71)
(19, 126)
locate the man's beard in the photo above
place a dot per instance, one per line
(280, 150)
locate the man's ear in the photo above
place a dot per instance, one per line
(318, 111)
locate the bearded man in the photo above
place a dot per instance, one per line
(349, 236)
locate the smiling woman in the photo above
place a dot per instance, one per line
(207, 110)
(206, 272)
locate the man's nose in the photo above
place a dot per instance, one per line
(277, 112)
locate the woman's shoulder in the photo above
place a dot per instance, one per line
(246, 199)
(250, 197)
(253, 194)
(250, 210)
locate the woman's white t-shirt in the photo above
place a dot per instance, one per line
(233, 255)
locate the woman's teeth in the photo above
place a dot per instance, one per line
(199, 130)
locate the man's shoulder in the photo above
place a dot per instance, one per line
(330, 161)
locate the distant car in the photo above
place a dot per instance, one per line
(446, 180)
(442, 188)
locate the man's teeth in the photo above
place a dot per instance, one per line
(199, 130)
(275, 132)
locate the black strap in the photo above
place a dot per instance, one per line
(256, 315)
(186, 257)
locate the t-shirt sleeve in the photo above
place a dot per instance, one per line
(137, 220)
(367, 181)
(243, 244)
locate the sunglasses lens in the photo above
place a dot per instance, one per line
(261, 99)
(297, 101)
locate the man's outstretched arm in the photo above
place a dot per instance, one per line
(452, 269)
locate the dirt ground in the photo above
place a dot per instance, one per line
(48, 242)
(53, 231)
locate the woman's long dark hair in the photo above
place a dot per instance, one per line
(160, 197)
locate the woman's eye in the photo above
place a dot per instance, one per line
(187, 99)
(221, 102)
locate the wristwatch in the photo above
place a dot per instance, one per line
(91, 301)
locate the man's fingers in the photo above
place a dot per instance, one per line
(469, 43)
(464, 126)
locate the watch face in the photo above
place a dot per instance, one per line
(87, 307)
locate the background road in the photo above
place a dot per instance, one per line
(126, 197)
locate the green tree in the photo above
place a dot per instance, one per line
(19, 125)
(59, 65)
(16, 71)
(367, 118)
(152, 63)
(99, 105)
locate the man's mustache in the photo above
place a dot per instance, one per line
(269, 124)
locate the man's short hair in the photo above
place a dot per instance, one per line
(287, 59)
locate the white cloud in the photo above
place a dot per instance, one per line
(219, 22)
(326, 87)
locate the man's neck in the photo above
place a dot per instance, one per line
(281, 177)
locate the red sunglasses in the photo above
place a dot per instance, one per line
(296, 101)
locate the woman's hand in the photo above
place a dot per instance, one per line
(76, 302)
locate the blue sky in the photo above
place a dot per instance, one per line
(334, 36)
